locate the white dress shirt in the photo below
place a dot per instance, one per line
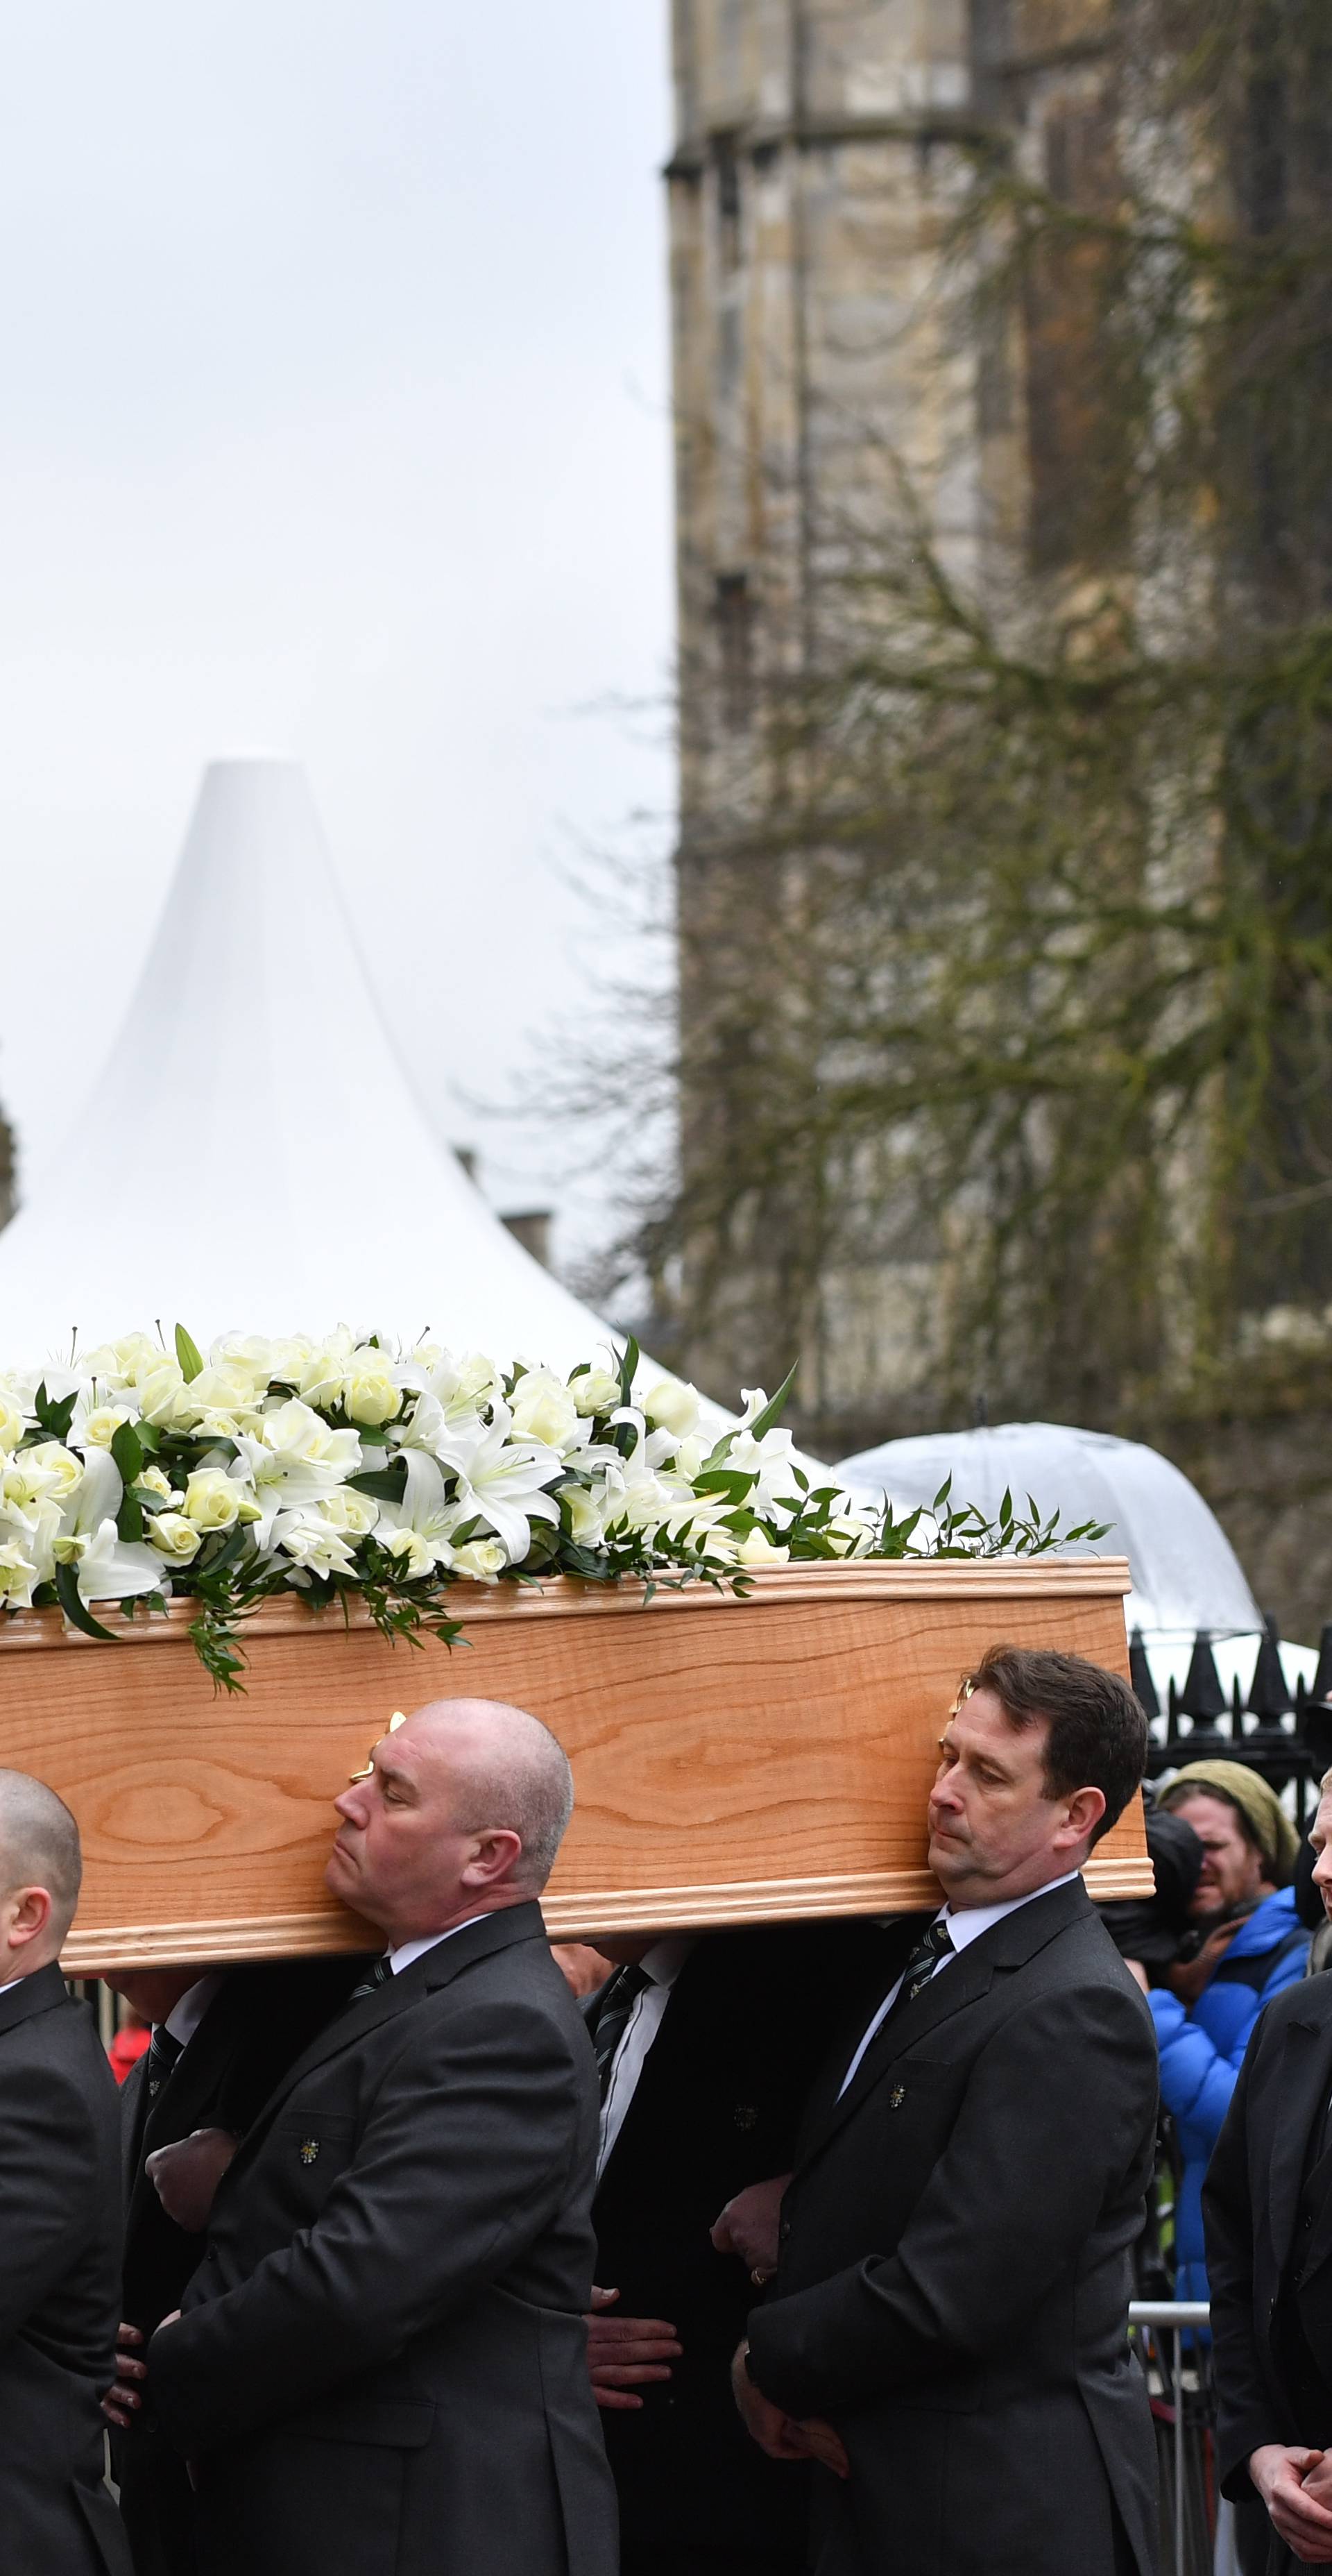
(963, 1928)
(662, 1963)
(406, 1951)
(184, 2017)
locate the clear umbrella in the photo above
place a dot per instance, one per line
(1186, 1575)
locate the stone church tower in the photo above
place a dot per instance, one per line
(821, 151)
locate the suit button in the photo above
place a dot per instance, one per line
(1306, 2223)
(784, 2230)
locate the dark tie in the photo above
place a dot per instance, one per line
(379, 1976)
(163, 2051)
(935, 1943)
(617, 2003)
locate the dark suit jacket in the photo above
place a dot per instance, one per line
(717, 2106)
(1258, 2259)
(383, 2361)
(955, 2277)
(256, 2026)
(59, 2284)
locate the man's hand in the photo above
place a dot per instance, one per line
(185, 2176)
(624, 2353)
(123, 2400)
(748, 2227)
(1291, 2483)
(1187, 1977)
(780, 2435)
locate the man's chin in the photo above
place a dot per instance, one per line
(339, 1872)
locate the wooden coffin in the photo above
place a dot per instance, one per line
(735, 1760)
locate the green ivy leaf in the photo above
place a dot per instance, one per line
(55, 1419)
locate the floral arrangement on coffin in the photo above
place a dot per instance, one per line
(350, 1468)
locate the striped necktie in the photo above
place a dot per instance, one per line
(163, 2050)
(935, 1943)
(378, 1976)
(617, 2004)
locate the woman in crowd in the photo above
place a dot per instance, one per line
(1251, 1946)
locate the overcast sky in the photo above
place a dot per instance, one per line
(335, 422)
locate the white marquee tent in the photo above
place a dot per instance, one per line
(252, 1157)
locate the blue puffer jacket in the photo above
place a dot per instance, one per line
(1202, 2050)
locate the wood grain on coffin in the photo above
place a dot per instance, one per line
(733, 1760)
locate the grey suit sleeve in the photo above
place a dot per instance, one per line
(463, 2161)
(1245, 2415)
(1053, 2118)
(48, 2175)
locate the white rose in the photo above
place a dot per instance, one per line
(56, 1466)
(164, 1398)
(672, 1405)
(587, 1515)
(152, 1481)
(18, 1575)
(543, 1409)
(849, 1536)
(689, 1458)
(758, 1549)
(11, 1422)
(414, 1557)
(370, 1391)
(345, 1510)
(100, 1426)
(596, 1391)
(174, 1537)
(483, 1559)
(212, 1500)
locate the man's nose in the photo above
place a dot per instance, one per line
(349, 1806)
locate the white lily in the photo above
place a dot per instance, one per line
(311, 1544)
(296, 1461)
(504, 1481)
(106, 1567)
(420, 1528)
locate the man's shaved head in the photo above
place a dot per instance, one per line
(39, 1846)
(508, 1769)
(465, 1808)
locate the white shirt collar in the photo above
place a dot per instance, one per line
(663, 1962)
(968, 1924)
(406, 1951)
(9, 1985)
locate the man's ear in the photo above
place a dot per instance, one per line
(498, 1852)
(1085, 1810)
(27, 1912)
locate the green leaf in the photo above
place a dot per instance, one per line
(384, 1484)
(129, 1518)
(629, 1359)
(127, 1451)
(1006, 1510)
(149, 1438)
(942, 1496)
(55, 1419)
(75, 1607)
(189, 1355)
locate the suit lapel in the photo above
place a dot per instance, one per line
(438, 1967)
(39, 1993)
(951, 1990)
(1301, 2090)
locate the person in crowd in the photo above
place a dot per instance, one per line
(947, 2334)
(1250, 1944)
(219, 2043)
(1267, 2212)
(706, 2047)
(381, 2364)
(60, 2203)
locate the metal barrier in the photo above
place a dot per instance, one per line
(1176, 2354)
